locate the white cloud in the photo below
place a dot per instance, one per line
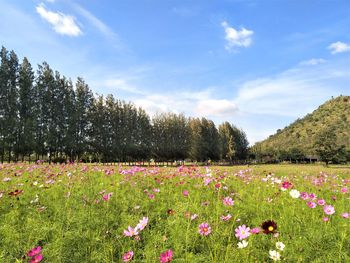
(121, 84)
(313, 62)
(216, 107)
(237, 38)
(339, 47)
(62, 24)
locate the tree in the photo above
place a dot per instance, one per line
(26, 109)
(327, 148)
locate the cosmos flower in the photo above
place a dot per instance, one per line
(142, 224)
(321, 202)
(345, 215)
(274, 255)
(185, 193)
(311, 204)
(328, 210)
(280, 246)
(304, 195)
(131, 232)
(194, 216)
(242, 244)
(242, 232)
(106, 197)
(167, 256)
(269, 227)
(255, 230)
(36, 258)
(204, 229)
(228, 201)
(294, 193)
(35, 251)
(128, 256)
(226, 218)
(286, 185)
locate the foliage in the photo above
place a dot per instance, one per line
(79, 213)
(303, 134)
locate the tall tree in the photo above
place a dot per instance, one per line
(26, 109)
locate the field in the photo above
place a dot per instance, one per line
(94, 213)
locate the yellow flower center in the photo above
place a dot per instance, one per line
(205, 229)
(270, 228)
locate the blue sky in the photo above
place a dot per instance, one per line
(257, 64)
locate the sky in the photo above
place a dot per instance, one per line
(259, 64)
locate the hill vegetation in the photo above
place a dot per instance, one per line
(328, 127)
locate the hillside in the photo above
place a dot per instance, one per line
(299, 137)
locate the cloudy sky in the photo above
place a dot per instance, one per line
(258, 64)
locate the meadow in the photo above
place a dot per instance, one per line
(96, 213)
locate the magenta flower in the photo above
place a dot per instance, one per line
(35, 251)
(228, 201)
(286, 185)
(312, 196)
(255, 230)
(142, 224)
(36, 259)
(151, 196)
(204, 229)
(321, 202)
(167, 256)
(344, 190)
(106, 197)
(345, 215)
(128, 256)
(311, 204)
(328, 210)
(131, 232)
(225, 218)
(242, 232)
(304, 195)
(185, 193)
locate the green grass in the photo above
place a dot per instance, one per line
(73, 224)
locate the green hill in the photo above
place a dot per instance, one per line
(297, 140)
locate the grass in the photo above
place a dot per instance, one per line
(62, 209)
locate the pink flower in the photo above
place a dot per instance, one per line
(185, 193)
(151, 196)
(167, 256)
(345, 215)
(286, 185)
(255, 230)
(242, 232)
(128, 256)
(131, 232)
(325, 219)
(35, 251)
(321, 202)
(311, 204)
(225, 218)
(312, 196)
(204, 229)
(156, 190)
(142, 224)
(344, 190)
(194, 216)
(106, 197)
(36, 258)
(328, 210)
(304, 195)
(228, 201)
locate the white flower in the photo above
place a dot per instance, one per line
(242, 244)
(280, 246)
(294, 193)
(275, 255)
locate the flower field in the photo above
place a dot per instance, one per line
(95, 213)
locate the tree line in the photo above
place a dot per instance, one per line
(44, 115)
